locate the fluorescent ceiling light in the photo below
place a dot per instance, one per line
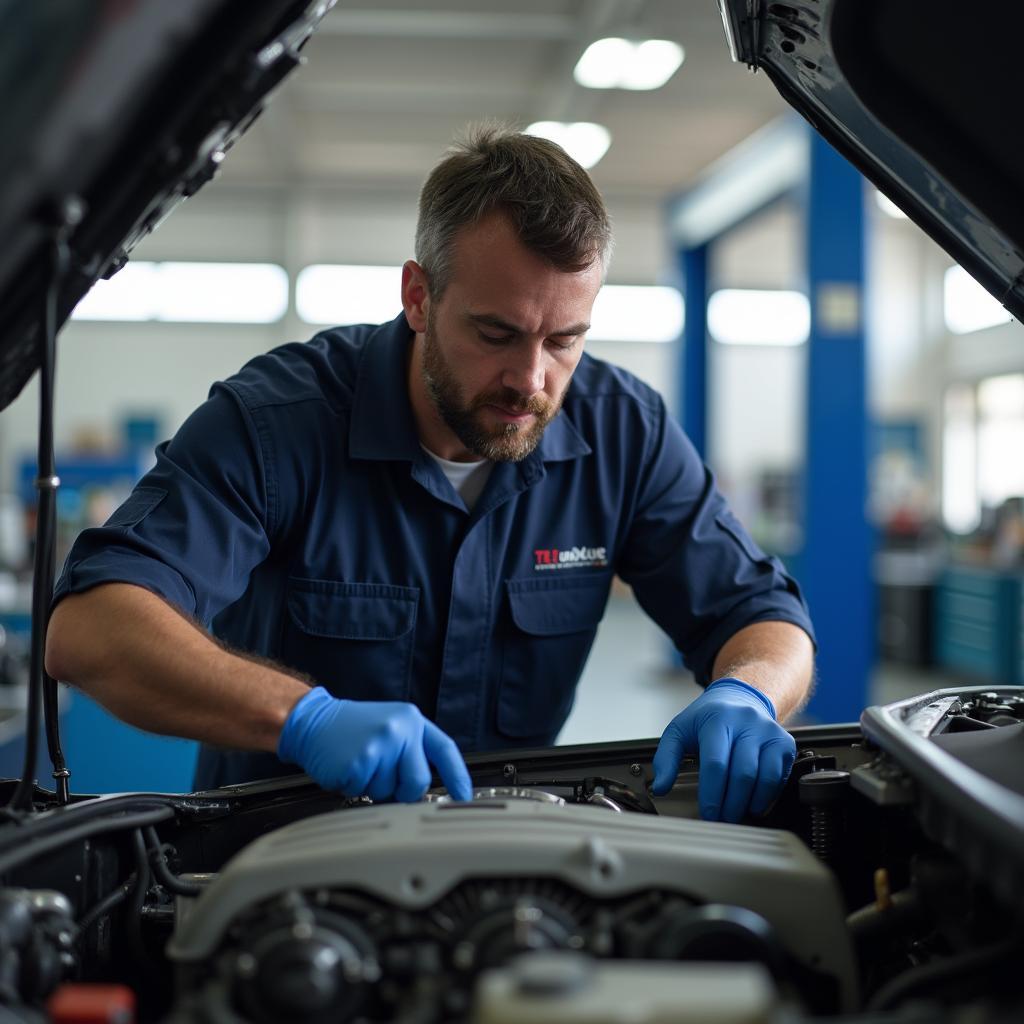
(887, 206)
(339, 293)
(240, 293)
(128, 295)
(967, 306)
(584, 141)
(637, 313)
(615, 63)
(753, 317)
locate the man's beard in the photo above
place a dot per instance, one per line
(507, 442)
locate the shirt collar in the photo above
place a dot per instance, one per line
(561, 440)
(382, 424)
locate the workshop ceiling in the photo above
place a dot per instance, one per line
(389, 82)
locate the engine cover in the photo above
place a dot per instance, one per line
(495, 877)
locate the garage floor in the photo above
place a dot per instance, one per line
(629, 689)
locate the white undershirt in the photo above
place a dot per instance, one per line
(467, 478)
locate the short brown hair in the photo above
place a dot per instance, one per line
(550, 199)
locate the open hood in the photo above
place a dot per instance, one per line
(923, 99)
(113, 113)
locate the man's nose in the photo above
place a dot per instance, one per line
(525, 370)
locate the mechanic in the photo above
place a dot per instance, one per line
(368, 552)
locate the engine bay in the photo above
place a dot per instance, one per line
(564, 888)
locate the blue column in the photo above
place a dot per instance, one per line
(693, 361)
(836, 560)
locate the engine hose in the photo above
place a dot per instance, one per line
(107, 904)
(939, 971)
(33, 847)
(143, 878)
(163, 873)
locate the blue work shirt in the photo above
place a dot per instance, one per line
(296, 516)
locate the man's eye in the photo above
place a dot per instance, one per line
(563, 345)
(495, 339)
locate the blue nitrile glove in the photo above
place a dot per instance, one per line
(745, 755)
(378, 749)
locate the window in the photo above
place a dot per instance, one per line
(961, 511)
(967, 306)
(983, 438)
(350, 294)
(340, 293)
(241, 293)
(637, 313)
(747, 316)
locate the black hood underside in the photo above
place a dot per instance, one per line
(113, 113)
(923, 99)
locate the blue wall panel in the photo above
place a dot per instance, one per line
(107, 756)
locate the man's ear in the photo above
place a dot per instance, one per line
(415, 295)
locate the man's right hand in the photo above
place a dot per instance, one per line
(371, 748)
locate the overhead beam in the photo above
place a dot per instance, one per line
(396, 97)
(447, 24)
(767, 165)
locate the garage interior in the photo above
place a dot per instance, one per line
(313, 213)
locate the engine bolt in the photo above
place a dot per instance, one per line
(635, 769)
(246, 965)
(509, 771)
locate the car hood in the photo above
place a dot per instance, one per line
(114, 112)
(920, 98)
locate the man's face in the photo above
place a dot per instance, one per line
(502, 342)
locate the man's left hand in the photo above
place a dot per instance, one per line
(745, 755)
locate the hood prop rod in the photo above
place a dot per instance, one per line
(69, 213)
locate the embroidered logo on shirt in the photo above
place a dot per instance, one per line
(547, 559)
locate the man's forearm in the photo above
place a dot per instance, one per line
(153, 668)
(775, 657)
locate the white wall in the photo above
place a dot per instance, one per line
(106, 370)
(913, 358)
(756, 394)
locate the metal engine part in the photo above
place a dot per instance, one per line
(345, 901)
(37, 940)
(567, 988)
(502, 793)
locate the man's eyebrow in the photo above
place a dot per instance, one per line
(490, 320)
(570, 332)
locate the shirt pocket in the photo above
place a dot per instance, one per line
(546, 638)
(356, 639)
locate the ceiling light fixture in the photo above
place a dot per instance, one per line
(584, 141)
(615, 63)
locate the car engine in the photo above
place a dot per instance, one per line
(887, 879)
(335, 915)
